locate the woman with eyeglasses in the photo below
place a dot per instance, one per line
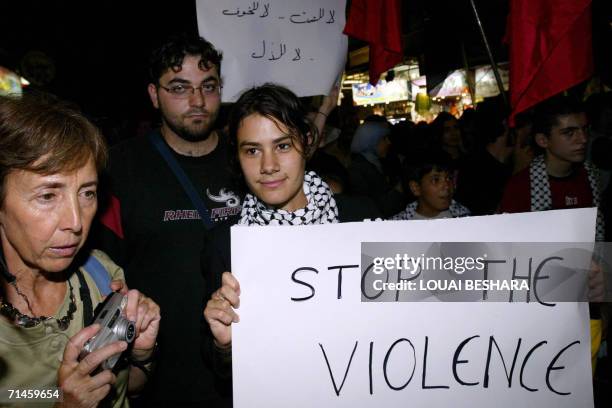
(271, 139)
(50, 157)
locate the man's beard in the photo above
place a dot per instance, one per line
(192, 135)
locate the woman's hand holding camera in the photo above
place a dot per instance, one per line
(145, 313)
(219, 311)
(79, 387)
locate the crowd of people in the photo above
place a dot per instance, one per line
(168, 198)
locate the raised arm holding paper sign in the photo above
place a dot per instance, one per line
(295, 43)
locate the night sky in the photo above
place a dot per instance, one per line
(99, 48)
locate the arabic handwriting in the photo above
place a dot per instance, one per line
(321, 14)
(263, 52)
(297, 55)
(283, 49)
(297, 18)
(331, 17)
(273, 52)
(251, 10)
(229, 13)
(294, 16)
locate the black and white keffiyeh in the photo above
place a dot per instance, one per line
(456, 210)
(541, 198)
(321, 207)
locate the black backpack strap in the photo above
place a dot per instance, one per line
(85, 299)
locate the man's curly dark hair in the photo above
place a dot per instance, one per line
(171, 53)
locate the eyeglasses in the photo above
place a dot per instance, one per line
(185, 91)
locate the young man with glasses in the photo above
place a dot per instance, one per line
(152, 226)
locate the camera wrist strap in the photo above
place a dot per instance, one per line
(187, 185)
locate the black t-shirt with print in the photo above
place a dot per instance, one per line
(150, 227)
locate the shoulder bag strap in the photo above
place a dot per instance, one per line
(99, 274)
(162, 148)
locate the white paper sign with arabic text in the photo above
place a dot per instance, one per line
(296, 43)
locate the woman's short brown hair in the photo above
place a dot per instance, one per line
(46, 136)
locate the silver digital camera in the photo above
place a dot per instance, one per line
(114, 327)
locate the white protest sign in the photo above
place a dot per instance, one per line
(305, 339)
(296, 43)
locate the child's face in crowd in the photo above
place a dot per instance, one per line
(272, 164)
(434, 192)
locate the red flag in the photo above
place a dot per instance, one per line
(550, 49)
(111, 218)
(379, 23)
